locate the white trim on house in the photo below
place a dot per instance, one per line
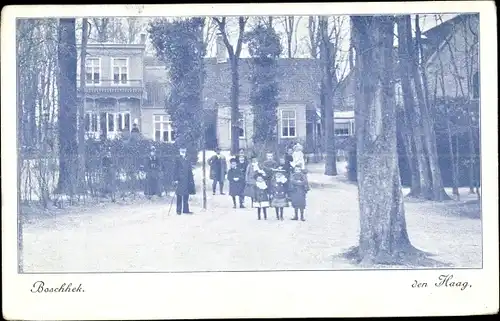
(288, 120)
(343, 114)
(120, 83)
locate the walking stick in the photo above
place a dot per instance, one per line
(171, 203)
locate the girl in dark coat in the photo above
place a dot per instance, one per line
(236, 178)
(279, 192)
(152, 175)
(299, 187)
(261, 194)
(108, 176)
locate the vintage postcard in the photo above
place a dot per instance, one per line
(249, 160)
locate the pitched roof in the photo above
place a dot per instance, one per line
(298, 78)
(435, 36)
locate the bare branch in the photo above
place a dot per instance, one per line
(241, 23)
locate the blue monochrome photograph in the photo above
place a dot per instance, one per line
(248, 143)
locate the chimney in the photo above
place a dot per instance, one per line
(143, 38)
(221, 49)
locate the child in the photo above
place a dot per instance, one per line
(250, 172)
(236, 179)
(279, 192)
(298, 156)
(269, 165)
(299, 187)
(261, 194)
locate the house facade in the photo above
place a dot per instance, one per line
(124, 86)
(452, 58)
(113, 88)
(299, 83)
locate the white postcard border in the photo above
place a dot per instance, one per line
(252, 294)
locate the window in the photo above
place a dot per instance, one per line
(343, 128)
(288, 123)
(91, 123)
(475, 86)
(111, 122)
(93, 71)
(123, 121)
(120, 71)
(163, 129)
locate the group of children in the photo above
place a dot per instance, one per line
(269, 184)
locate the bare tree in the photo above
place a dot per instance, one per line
(102, 28)
(81, 106)
(209, 33)
(290, 24)
(314, 36)
(234, 56)
(328, 53)
(134, 28)
(468, 50)
(421, 86)
(413, 121)
(67, 59)
(383, 233)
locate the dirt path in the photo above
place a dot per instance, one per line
(143, 238)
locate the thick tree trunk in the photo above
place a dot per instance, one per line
(383, 235)
(438, 193)
(412, 162)
(411, 111)
(331, 161)
(67, 57)
(20, 54)
(235, 112)
(81, 109)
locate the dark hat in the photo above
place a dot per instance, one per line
(233, 160)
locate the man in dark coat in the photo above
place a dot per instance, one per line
(184, 182)
(218, 170)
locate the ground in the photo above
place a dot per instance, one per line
(145, 237)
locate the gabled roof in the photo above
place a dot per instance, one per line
(434, 37)
(298, 78)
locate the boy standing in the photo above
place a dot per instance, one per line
(236, 178)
